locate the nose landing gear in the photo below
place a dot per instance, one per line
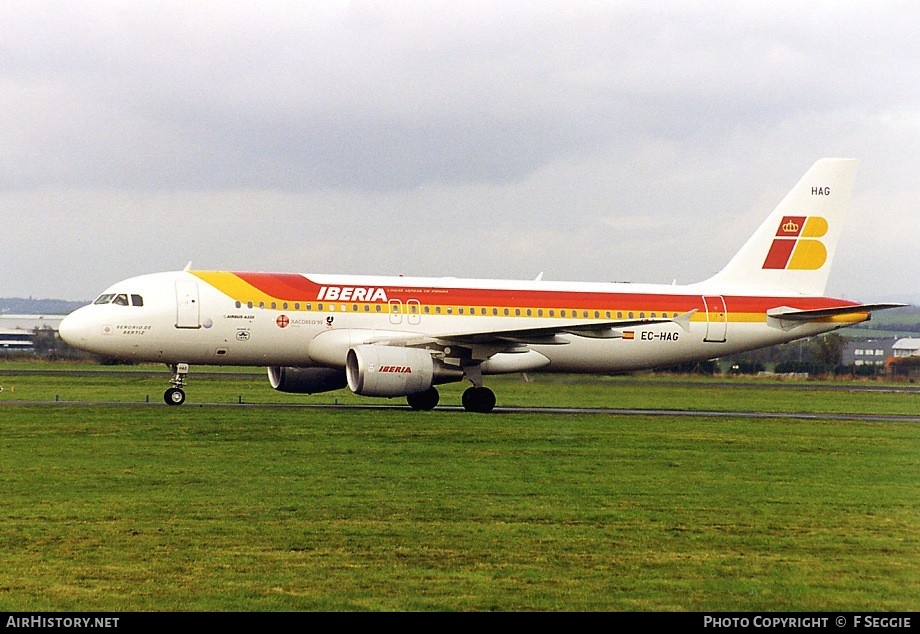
(176, 395)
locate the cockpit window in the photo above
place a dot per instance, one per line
(120, 299)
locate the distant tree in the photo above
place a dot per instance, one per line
(693, 367)
(827, 351)
(905, 366)
(45, 341)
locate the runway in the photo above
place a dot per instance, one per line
(505, 410)
(549, 411)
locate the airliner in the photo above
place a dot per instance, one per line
(402, 336)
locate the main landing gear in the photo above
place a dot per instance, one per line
(478, 399)
(475, 399)
(176, 395)
(424, 401)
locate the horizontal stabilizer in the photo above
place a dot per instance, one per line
(798, 314)
(786, 318)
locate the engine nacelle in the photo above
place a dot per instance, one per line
(306, 380)
(388, 370)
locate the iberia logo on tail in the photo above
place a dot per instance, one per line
(795, 246)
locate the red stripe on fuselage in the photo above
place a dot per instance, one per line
(283, 286)
(297, 287)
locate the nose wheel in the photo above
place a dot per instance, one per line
(176, 395)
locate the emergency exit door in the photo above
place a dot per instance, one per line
(716, 318)
(188, 312)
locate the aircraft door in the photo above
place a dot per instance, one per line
(716, 318)
(187, 307)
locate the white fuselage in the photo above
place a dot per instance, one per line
(186, 318)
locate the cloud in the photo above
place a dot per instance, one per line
(591, 140)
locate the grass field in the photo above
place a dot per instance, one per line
(146, 507)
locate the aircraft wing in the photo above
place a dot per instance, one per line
(480, 345)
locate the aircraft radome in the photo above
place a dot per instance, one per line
(402, 336)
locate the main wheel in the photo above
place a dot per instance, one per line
(424, 401)
(478, 399)
(174, 396)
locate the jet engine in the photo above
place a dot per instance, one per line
(306, 380)
(388, 370)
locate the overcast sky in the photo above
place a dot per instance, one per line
(600, 141)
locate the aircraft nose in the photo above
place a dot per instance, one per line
(73, 328)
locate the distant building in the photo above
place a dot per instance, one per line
(907, 347)
(868, 351)
(30, 322)
(16, 339)
(17, 332)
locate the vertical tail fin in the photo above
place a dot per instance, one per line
(793, 249)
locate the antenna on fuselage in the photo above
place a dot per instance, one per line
(188, 267)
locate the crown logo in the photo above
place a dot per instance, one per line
(796, 246)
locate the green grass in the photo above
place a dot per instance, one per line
(137, 507)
